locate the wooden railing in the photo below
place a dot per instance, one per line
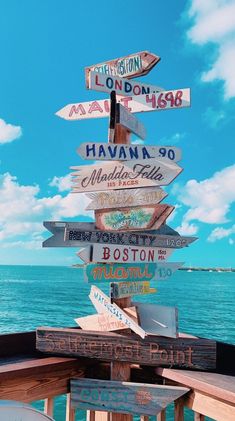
(28, 376)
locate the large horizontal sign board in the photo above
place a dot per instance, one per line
(127, 289)
(126, 174)
(185, 352)
(121, 198)
(118, 272)
(137, 64)
(129, 121)
(123, 254)
(166, 100)
(123, 397)
(107, 83)
(158, 320)
(76, 234)
(133, 219)
(114, 152)
(102, 304)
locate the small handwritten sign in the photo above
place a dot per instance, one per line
(133, 65)
(127, 398)
(138, 218)
(127, 174)
(102, 303)
(121, 198)
(126, 289)
(166, 100)
(114, 152)
(107, 83)
(100, 323)
(123, 254)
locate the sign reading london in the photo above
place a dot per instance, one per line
(128, 174)
(165, 100)
(137, 64)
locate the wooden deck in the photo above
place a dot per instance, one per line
(27, 375)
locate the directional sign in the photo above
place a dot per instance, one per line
(133, 219)
(102, 303)
(123, 397)
(100, 323)
(126, 289)
(121, 198)
(123, 254)
(127, 174)
(158, 320)
(129, 121)
(137, 64)
(107, 83)
(165, 100)
(76, 234)
(115, 152)
(117, 272)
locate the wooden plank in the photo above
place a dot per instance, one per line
(218, 385)
(158, 320)
(118, 272)
(165, 100)
(49, 406)
(131, 66)
(100, 322)
(127, 120)
(179, 410)
(128, 174)
(125, 289)
(124, 397)
(17, 411)
(192, 353)
(121, 198)
(198, 417)
(161, 416)
(122, 152)
(112, 118)
(123, 254)
(70, 412)
(102, 304)
(77, 234)
(17, 343)
(107, 83)
(210, 407)
(133, 219)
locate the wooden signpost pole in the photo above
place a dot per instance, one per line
(119, 370)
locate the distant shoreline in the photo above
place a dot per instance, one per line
(187, 268)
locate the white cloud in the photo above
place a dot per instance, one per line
(214, 22)
(187, 229)
(62, 183)
(8, 132)
(172, 140)
(220, 232)
(22, 212)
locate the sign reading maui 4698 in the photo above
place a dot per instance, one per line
(116, 175)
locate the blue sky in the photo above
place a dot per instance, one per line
(44, 48)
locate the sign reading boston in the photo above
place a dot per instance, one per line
(128, 174)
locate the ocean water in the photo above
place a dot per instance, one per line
(33, 296)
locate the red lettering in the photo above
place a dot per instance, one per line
(151, 256)
(142, 255)
(106, 253)
(125, 255)
(75, 109)
(125, 101)
(95, 106)
(106, 106)
(97, 80)
(134, 253)
(152, 100)
(116, 254)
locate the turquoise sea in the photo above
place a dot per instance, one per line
(33, 296)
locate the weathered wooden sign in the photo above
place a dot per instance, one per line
(117, 272)
(123, 254)
(102, 304)
(76, 234)
(122, 152)
(127, 174)
(137, 64)
(107, 83)
(123, 397)
(127, 289)
(158, 320)
(133, 219)
(121, 198)
(100, 322)
(165, 100)
(129, 121)
(185, 352)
